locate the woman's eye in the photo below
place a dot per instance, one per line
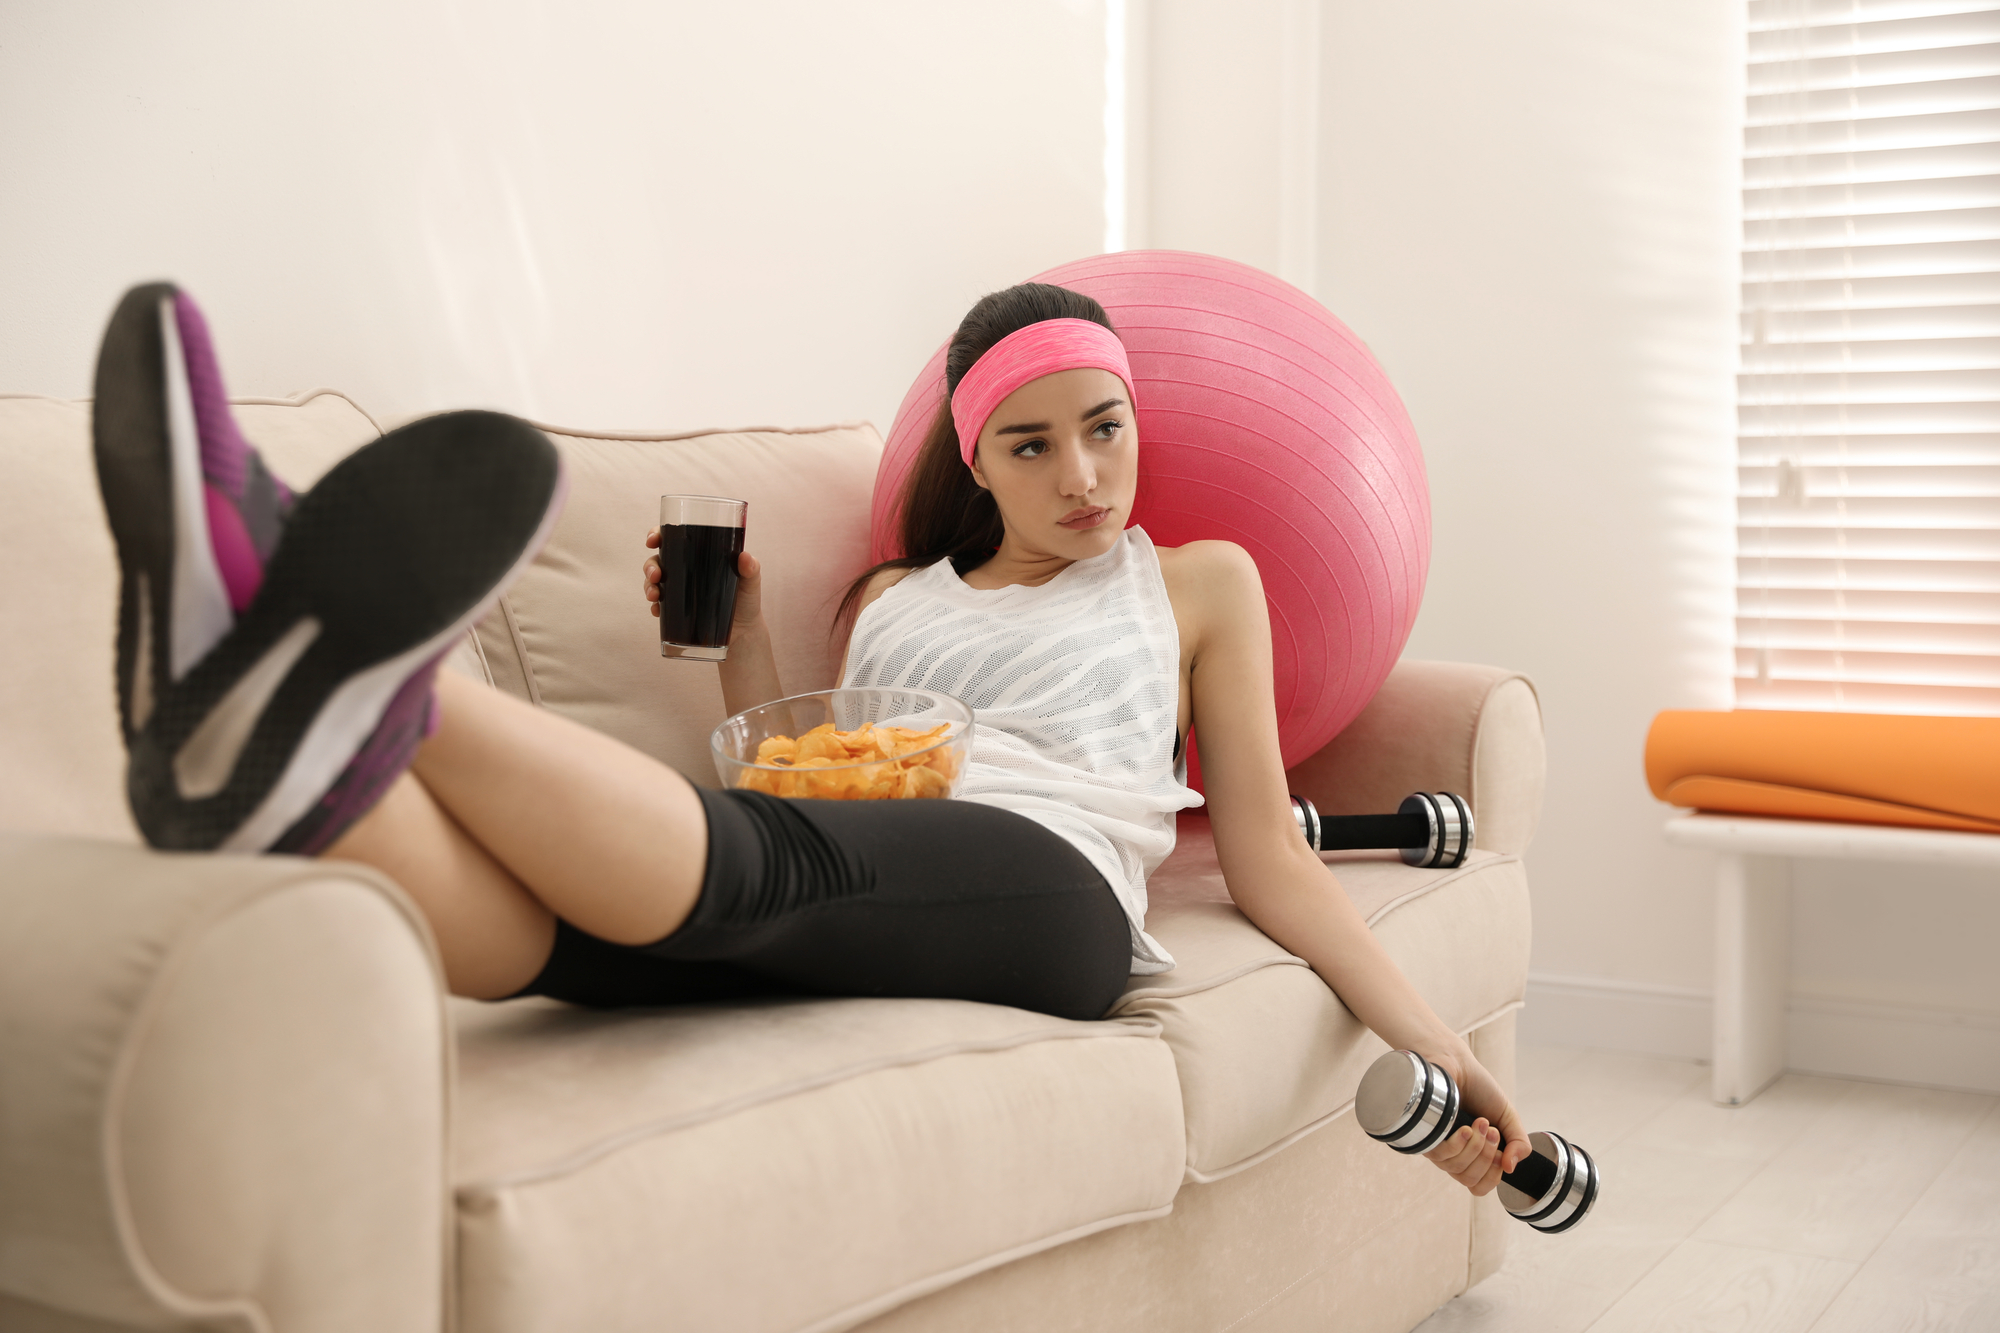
(1106, 429)
(1030, 449)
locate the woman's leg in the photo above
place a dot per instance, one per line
(610, 840)
(940, 899)
(493, 935)
(512, 816)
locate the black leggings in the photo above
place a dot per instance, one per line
(941, 899)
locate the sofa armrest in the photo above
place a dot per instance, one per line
(1439, 726)
(223, 1091)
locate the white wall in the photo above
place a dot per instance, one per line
(1528, 211)
(648, 215)
(1212, 119)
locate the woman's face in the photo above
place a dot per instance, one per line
(1061, 456)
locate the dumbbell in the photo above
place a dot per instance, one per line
(1430, 829)
(1412, 1105)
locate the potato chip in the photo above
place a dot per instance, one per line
(867, 764)
(776, 750)
(825, 746)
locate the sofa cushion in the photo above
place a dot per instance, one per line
(788, 1164)
(573, 633)
(1265, 1052)
(62, 765)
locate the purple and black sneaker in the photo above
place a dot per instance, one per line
(296, 722)
(195, 512)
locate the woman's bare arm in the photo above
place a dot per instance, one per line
(1278, 882)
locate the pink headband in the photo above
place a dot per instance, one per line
(1028, 354)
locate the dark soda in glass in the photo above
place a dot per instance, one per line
(698, 574)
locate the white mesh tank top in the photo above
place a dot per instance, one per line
(1075, 686)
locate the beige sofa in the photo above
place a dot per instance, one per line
(233, 1094)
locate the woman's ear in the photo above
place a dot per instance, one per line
(978, 475)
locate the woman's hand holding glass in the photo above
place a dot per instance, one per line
(750, 674)
(749, 604)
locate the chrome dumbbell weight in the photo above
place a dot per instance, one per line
(1430, 829)
(1412, 1105)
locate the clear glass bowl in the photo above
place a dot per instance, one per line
(750, 750)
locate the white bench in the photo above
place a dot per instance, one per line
(1753, 920)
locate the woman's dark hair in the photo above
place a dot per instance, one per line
(942, 513)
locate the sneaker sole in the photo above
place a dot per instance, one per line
(397, 552)
(173, 605)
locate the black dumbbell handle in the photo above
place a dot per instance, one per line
(1348, 833)
(1533, 1177)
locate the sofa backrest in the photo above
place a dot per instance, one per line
(573, 634)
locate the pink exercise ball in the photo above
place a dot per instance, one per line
(1264, 421)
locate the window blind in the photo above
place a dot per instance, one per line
(1868, 538)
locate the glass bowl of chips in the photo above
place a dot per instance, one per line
(851, 744)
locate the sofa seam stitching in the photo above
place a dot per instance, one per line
(1209, 983)
(1472, 755)
(935, 1282)
(650, 437)
(1425, 890)
(479, 651)
(304, 396)
(1472, 750)
(521, 650)
(299, 399)
(1490, 860)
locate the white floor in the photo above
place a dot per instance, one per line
(1824, 1205)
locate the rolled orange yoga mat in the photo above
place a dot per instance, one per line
(1862, 768)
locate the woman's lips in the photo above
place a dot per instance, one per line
(1078, 520)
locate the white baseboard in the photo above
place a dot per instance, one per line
(1890, 1043)
(1895, 1043)
(1630, 1016)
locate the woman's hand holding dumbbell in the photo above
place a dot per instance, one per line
(1494, 1143)
(1420, 1103)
